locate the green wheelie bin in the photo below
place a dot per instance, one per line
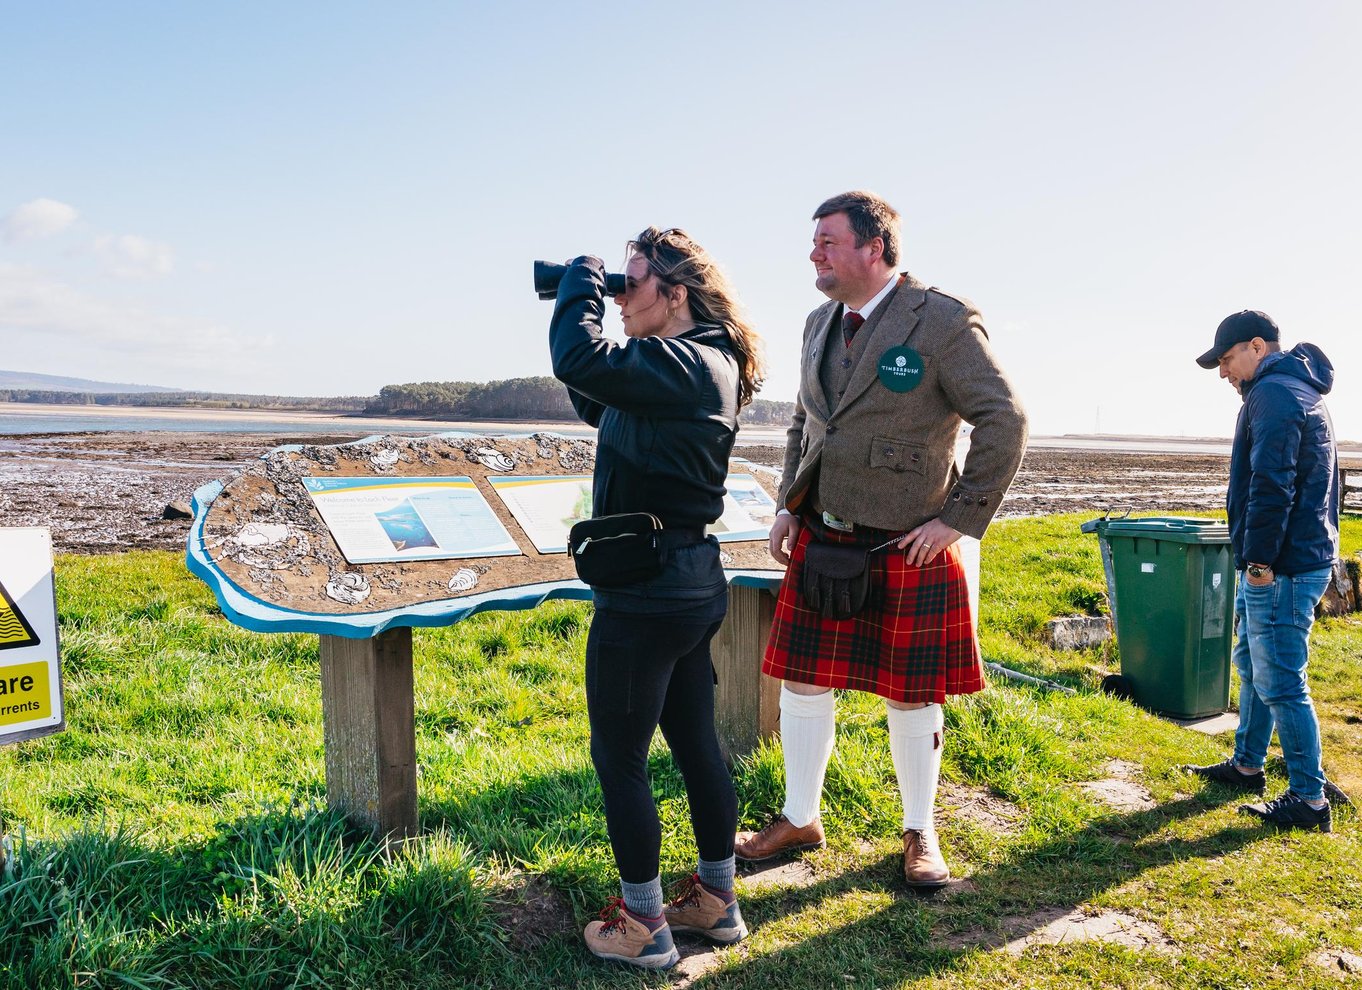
(1170, 582)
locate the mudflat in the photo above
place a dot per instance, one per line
(103, 492)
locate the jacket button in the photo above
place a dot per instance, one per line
(888, 451)
(915, 457)
(956, 496)
(831, 430)
(983, 501)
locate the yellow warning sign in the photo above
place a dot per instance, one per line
(25, 693)
(14, 628)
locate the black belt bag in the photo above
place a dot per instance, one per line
(836, 579)
(611, 551)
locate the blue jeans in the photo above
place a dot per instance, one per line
(1271, 655)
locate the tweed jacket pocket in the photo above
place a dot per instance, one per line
(898, 455)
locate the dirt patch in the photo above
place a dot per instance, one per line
(1342, 964)
(1015, 934)
(1119, 790)
(531, 912)
(979, 806)
(777, 873)
(1121, 795)
(698, 957)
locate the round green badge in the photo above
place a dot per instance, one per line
(901, 369)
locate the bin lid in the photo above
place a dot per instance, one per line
(1171, 529)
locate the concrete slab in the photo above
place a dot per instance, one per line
(1211, 725)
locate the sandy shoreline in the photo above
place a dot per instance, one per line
(105, 491)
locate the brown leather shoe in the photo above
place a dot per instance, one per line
(777, 838)
(923, 865)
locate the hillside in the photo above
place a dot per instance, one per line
(57, 383)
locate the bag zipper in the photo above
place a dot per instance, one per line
(657, 527)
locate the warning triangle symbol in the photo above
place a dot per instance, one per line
(14, 628)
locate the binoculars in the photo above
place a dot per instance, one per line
(547, 275)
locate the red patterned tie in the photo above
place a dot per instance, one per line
(851, 322)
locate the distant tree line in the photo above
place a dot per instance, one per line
(513, 398)
(198, 400)
(540, 398)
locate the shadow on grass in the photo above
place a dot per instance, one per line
(911, 936)
(908, 938)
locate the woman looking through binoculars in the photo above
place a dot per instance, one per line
(666, 404)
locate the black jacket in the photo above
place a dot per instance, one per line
(666, 408)
(1283, 494)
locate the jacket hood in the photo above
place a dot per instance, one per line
(1304, 361)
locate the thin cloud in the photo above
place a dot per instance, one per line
(36, 219)
(130, 256)
(66, 317)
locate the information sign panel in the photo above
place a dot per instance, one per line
(30, 665)
(546, 506)
(376, 520)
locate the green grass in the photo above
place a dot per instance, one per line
(176, 834)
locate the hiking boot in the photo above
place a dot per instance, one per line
(711, 913)
(1226, 773)
(1289, 811)
(623, 937)
(924, 868)
(777, 838)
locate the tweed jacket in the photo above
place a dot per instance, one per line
(887, 459)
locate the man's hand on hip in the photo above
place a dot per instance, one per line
(928, 540)
(784, 532)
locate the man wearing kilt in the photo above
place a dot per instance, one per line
(890, 369)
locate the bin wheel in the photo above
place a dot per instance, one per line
(1118, 686)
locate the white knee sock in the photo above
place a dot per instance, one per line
(808, 723)
(915, 744)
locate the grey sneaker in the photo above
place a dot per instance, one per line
(1226, 773)
(1289, 811)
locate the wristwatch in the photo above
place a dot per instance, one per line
(1258, 570)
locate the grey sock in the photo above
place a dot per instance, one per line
(717, 875)
(643, 899)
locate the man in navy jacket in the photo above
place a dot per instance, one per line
(1283, 517)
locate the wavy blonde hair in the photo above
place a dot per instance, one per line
(677, 260)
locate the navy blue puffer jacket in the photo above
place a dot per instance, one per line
(1283, 495)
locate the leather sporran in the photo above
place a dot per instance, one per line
(836, 579)
(614, 551)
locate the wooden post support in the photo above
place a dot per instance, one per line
(368, 716)
(747, 702)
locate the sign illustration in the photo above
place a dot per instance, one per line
(15, 630)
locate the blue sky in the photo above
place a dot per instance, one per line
(319, 199)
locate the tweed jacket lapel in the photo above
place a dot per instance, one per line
(897, 326)
(813, 360)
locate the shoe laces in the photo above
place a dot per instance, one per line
(613, 915)
(924, 838)
(1283, 802)
(690, 893)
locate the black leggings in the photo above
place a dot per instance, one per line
(643, 671)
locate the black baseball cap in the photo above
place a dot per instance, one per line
(1239, 328)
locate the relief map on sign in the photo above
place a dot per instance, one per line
(547, 506)
(390, 519)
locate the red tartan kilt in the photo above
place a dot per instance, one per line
(913, 642)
